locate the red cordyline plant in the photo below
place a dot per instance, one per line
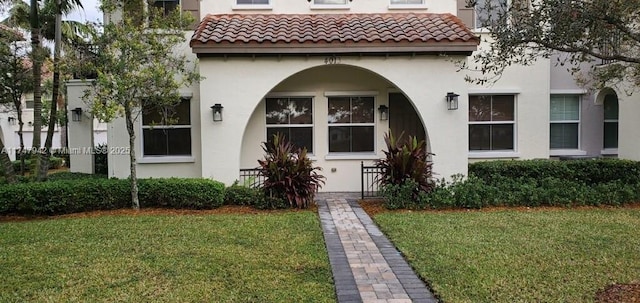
(289, 173)
(406, 160)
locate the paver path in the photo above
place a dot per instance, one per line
(366, 266)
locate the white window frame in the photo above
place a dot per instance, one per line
(422, 5)
(353, 155)
(143, 159)
(497, 153)
(568, 151)
(313, 118)
(236, 6)
(346, 5)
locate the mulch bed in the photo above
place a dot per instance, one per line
(619, 293)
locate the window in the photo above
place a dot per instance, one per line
(491, 122)
(252, 2)
(488, 11)
(565, 121)
(610, 121)
(29, 104)
(166, 6)
(330, 2)
(351, 124)
(167, 132)
(292, 117)
(402, 2)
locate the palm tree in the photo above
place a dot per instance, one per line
(49, 24)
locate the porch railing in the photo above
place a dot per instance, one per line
(369, 185)
(251, 177)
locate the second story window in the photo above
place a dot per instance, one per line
(252, 2)
(166, 6)
(330, 2)
(407, 2)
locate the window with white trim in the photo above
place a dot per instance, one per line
(491, 122)
(293, 118)
(252, 2)
(407, 2)
(611, 113)
(351, 124)
(330, 2)
(565, 122)
(167, 132)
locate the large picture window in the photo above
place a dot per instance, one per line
(292, 117)
(610, 121)
(167, 132)
(330, 2)
(351, 124)
(491, 122)
(565, 121)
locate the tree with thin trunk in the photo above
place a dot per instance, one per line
(138, 70)
(597, 40)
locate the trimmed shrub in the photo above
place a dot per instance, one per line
(242, 195)
(181, 193)
(85, 194)
(66, 175)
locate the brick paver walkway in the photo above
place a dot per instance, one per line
(366, 266)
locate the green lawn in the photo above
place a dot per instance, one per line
(276, 257)
(519, 256)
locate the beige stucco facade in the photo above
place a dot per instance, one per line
(241, 83)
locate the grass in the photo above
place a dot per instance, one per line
(519, 256)
(275, 257)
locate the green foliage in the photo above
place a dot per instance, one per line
(527, 183)
(181, 193)
(65, 175)
(406, 160)
(71, 193)
(29, 164)
(578, 34)
(289, 173)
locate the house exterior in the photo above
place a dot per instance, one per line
(335, 75)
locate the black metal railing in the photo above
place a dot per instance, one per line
(369, 185)
(251, 177)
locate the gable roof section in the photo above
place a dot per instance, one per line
(389, 33)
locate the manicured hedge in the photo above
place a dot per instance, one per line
(590, 172)
(528, 183)
(86, 194)
(246, 196)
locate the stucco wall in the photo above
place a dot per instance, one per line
(629, 124)
(304, 7)
(530, 85)
(424, 79)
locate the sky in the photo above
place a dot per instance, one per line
(90, 12)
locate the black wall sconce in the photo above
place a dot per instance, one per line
(384, 112)
(452, 101)
(12, 120)
(76, 114)
(217, 112)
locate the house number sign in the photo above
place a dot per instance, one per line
(332, 60)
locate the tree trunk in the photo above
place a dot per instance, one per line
(53, 113)
(132, 156)
(37, 57)
(9, 174)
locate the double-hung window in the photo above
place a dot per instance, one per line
(491, 122)
(167, 132)
(252, 2)
(293, 118)
(565, 122)
(610, 122)
(351, 124)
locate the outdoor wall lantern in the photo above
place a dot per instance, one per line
(76, 114)
(384, 112)
(12, 120)
(452, 101)
(217, 112)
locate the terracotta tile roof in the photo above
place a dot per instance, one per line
(14, 34)
(317, 33)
